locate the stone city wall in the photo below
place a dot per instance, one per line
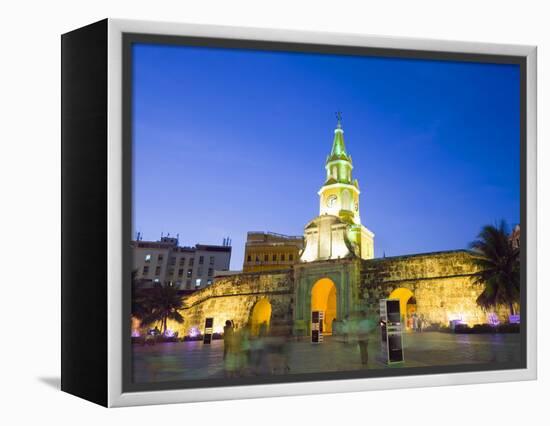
(442, 284)
(233, 298)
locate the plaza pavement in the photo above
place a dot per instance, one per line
(193, 360)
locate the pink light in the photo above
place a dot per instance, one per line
(135, 333)
(193, 332)
(169, 333)
(493, 320)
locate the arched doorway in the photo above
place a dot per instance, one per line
(323, 299)
(260, 317)
(407, 304)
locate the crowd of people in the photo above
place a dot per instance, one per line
(416, 322)
(264, 349)
(254, 352)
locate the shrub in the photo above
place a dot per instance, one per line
(508, 328)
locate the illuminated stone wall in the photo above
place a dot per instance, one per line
(234, 297)
(440, 282)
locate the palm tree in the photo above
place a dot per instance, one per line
(498, 267)
(161, 304)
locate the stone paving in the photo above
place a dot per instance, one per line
(193, 360)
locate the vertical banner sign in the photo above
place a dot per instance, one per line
(383, 320)
(208, 330)
(391, 326)
(316, 327)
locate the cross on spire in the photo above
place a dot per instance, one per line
(339, 119)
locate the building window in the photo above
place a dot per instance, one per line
(180, 272)
(266, 257)
(182, 261)
(157, 281)
(274, 258)
(160, 258)
(170, 272)
(209, 282)
(189, 273)
(257, 258)
(147, 258)
(201, 260)
(199, 271)
(211, 260)
(210, 272)
(146, 270)
(249, 258)
(157, 271)
(172, 260)
(282, 257)
(191, 261)
(188, 284)
(197, 282)
(291, 257)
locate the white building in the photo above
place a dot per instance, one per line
(190, 268)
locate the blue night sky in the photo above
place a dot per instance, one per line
(228, 141)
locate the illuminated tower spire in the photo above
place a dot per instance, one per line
(338, 146)
(338, 164)
(339, 196)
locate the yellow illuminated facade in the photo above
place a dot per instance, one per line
(268, 251)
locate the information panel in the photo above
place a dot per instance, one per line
(391, 330)
(208, 331)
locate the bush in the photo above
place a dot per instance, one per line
(437, 327)
(193, 338)
(484, 328)
(462, 329)
(508, 328)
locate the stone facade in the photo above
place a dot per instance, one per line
(337, 275)
(441, 284)
(234, 297)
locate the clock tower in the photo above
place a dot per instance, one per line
(337, 232)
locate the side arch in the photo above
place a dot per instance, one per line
(260, 317)
(407, 302)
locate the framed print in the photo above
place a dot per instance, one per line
(251, 212)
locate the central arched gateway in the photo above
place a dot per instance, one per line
(323, 299)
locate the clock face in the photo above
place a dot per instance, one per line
(331, 201)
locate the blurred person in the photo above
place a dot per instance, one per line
(359, 329)
(227, 337)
